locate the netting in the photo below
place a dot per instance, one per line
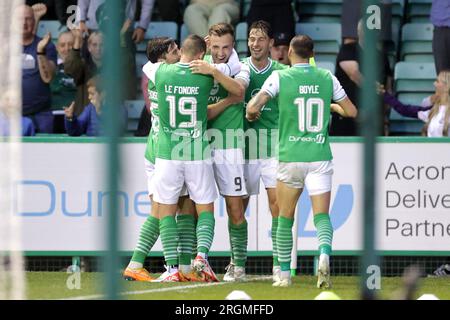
(11, 262)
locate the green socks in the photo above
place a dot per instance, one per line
(324, 232)
(205, 231)
(147, 238)
(239, 241)
(169, 239)
(284, 242)
(276, 263)
(186, 234)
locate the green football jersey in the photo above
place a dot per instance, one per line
(304, 94)
(183, 106)
(262, 135)
(150, 151)
(231, 120)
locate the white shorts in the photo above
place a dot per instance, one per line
(172, 175)
(315, 176)
(150, 171)
(229, 172)
(257, 170)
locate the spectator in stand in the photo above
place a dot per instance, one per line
(90, 12)
(278, 13)
(200, 15)
(352, 13)
(63, 86)
(6, 106)
(349, 75)
(54, 9)
(81, 69)
(280, 48)
(88, 122)
(434, 111)
(38, 70)
(440, 17)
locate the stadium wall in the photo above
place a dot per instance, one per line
(64, 209)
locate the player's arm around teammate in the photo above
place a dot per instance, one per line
(304, 153)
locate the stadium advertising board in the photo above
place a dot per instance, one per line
(64, 205)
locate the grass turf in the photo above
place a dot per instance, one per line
(50, 286)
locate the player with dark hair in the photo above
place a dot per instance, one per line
(304, 94)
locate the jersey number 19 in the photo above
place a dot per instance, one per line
(183, 110)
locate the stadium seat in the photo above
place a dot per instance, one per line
(52, 26)
(327, 65)
(245, 7)
(141, 60)
(419, 11)
(413, 82)
(414, 77)
(134, 109)
(319, 11)
(398, 11)
(159, 29)
(417, 41)
(326, 36)
(241, 39)
(184, 32)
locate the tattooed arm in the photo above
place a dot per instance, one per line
(256, 104)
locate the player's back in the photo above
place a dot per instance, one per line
(304, 97)
(182, 105)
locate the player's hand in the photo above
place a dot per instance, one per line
(39, 10)
(138, 35)
(232, 99)
(207, 41)
(201, 67)
(44, 42)
(251, 117)
(68, 111)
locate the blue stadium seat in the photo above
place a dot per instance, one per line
(417, 39)
(159, 29)
(134, 109)
(327, 65)
(184, 33)
(413, 83)
(412, 77)
(52, 26)
(326, 36)
(241, 39)
(141, 60)
(419, 11)
(320, 11)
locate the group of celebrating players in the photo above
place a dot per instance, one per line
(218, 121)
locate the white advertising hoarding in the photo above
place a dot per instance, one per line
(64, 201)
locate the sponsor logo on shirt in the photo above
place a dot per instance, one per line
(319, 139)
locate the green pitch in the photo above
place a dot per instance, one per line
(48, 285)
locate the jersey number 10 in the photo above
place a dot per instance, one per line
(182, 103)
(306, 122)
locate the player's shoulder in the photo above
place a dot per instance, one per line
(278, 65)
(325, 73)
(245, 66)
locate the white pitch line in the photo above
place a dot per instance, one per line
(192, 286)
